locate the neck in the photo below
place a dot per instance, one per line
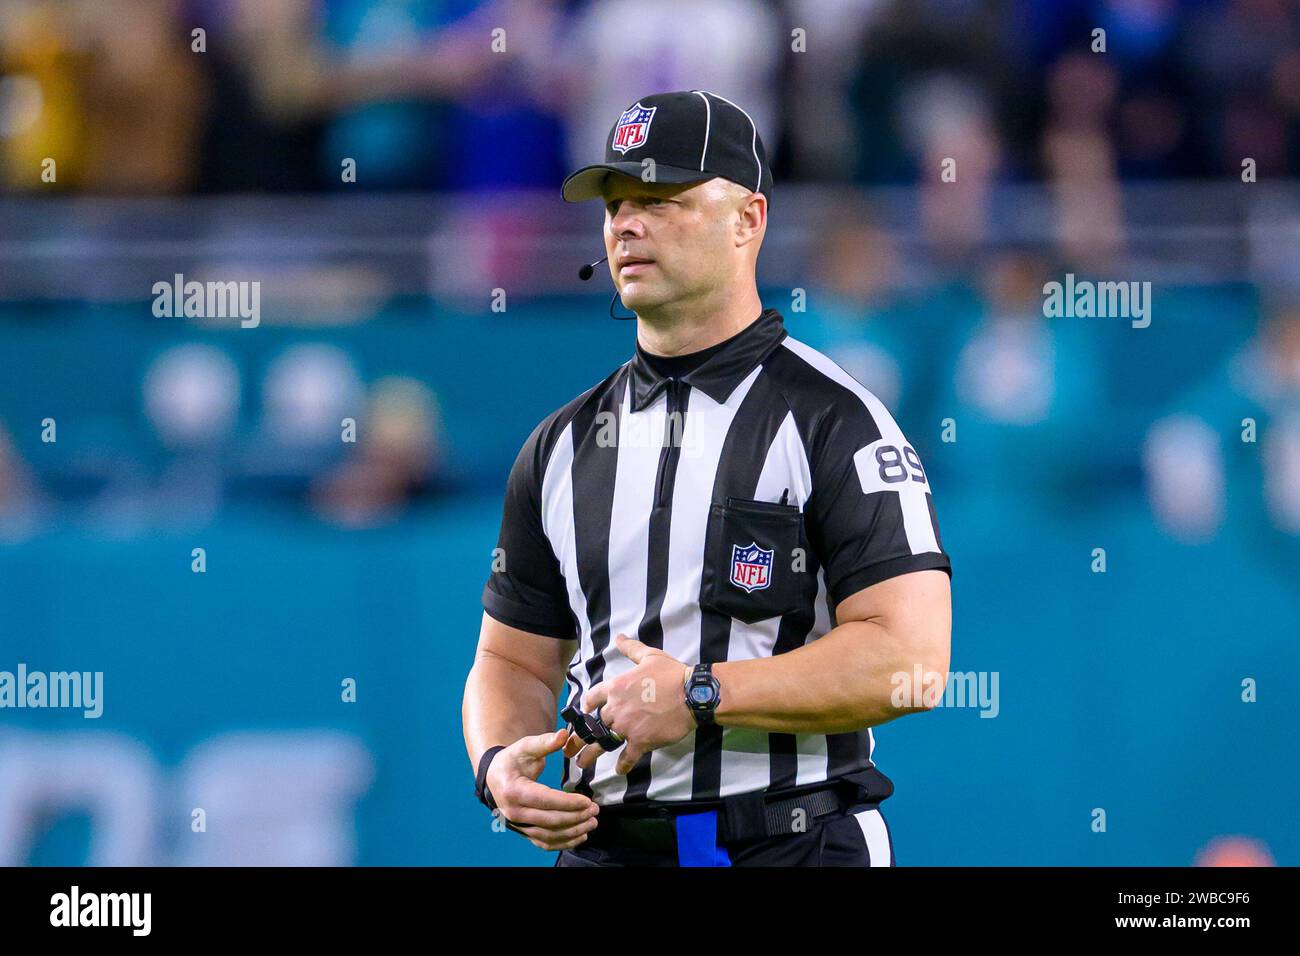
(682, 328)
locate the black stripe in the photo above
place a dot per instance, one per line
(744, 451)
(934, 519)
(592, 474)
(651, 630)
(812, 395)
(846, 753)
(792, 633)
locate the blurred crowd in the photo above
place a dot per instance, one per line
(182, 96)
(1199, 418)
(167, 96)
(1014, 413)
(318, 440)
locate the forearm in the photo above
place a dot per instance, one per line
(503, 702)
(840, 683)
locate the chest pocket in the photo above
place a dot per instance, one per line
(752, 569)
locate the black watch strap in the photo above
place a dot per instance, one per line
(480, 777)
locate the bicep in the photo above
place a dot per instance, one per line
(546, 658)
(526, 589)
(914, 608)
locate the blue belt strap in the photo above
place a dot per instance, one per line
(697, 840)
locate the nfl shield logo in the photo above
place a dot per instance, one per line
(751, 567)
(633, 127)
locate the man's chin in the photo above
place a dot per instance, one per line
(639, 298)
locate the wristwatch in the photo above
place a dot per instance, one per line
(703, 694)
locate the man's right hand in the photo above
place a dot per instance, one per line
(551, 819)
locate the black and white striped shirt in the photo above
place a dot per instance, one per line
(719, 515)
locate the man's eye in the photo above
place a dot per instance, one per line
(612, 206)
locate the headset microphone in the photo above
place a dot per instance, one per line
(588, 270)
(586, 273)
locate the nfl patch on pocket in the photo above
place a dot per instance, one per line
(751, 566)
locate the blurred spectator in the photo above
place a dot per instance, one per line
(191, 396)
(616, 52)
(422, 94)
(20, 502)
(1079, 159)
(143, 99)
(386, 78)
(903, 52)
(110, 91)
(191, 399)
(852, 306)
(1184, 467)
(952, 132)
(399, 453)
(1240, 61)
(306, 394)
(264, 122)
(819, 118)
(1021, 382)
(42, 61)
(1202, 472)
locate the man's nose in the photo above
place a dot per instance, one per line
(626, 222)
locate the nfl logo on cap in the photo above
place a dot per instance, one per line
(750, 567)
(633, 127)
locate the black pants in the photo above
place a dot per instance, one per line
(860, 837)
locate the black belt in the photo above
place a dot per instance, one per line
(746, 816)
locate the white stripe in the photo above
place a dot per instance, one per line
(784, 469)
(877, 837)
(640, 439)
(753, 143)
(708, 120)
(786, 466)
(911, 494)
(810, 749)
(557, 523)
(812, 759)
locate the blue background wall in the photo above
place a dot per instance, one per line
(1119, 690)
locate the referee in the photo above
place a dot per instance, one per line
(725, 555)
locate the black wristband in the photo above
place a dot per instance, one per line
(480, 778)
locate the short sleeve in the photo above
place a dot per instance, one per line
(526, 588)
(871, 514)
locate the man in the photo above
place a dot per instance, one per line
(726, 550)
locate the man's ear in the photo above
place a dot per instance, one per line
(752, 219)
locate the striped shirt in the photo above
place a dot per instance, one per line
(718, 515)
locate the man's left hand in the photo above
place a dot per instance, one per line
(646, 706)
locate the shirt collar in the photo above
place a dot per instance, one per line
(719, 375)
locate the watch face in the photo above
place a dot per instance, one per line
(702, 694)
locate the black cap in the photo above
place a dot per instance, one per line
(692, 136)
